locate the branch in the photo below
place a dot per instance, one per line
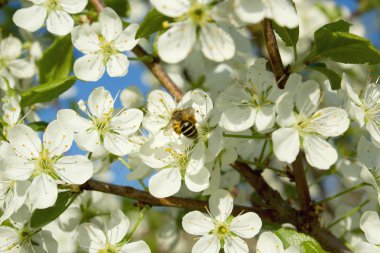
(274, 54)
(302, 187)
(147, 198)
(154, 66)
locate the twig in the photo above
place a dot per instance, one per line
(274, 54)
(98, 4)
(302, 187)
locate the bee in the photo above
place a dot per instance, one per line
(183, 122)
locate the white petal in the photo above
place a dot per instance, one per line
(176, 43)
(329, 121)
(197, 223)
(161, 103)
(91, 237)
(374, 131)
(59, 23)
(73, 6)
(307, 98)
(346, 86)
(117, 227)
(25, 141)
(43, 191)
(286, 144)
(72, 121)
(173, 9)
(10, 48)
(235, 245)
(127, 122)
(57, 139)
(370, 224)
(319, 153)
(246, 225)
(132, 247)
(31, 18)
(238, 119)
(292, 249)
(118, 144)
(100, 102)
(284, 107)
(88, 140)
(126, 39)
(198, 182)
(269, 243)
(283, 12)
(368, 177)
(265, 118)
(117, 65)
(110, 23)
(18, 168)
(74, 169)
(8, 238)
(207, 243)
(200, 101)
(217, 45)
(165, 183)
(89, 67)
(221, 204)
(250, 11)
(197, 159)
(12, 111)
(364, 247)
(21, 68)
(84, 40)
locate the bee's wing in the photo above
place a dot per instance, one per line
(189, 110)
(169, 128)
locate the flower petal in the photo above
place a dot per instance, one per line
(126, 39)
(370, 224)
(71, 120)
(176, 43)
(265, 118)
(43, 192)
(286, 144)
(319, 153)
(269, 243)
(127, 122)
(246, 225)
(365, 247)
(59, 23)
(374, 131)
(198, 182)
(31, 18)
(117, 65)
(207, 243)
(283, 12)
(85, 40)
(118, 144)
(10, 48)
(25, 141)
(117, 227)
(73, 6)
(91, 237)
(174, 9)
(197, 223)
(329, 121)
(139, 246)
(197, 159)
(100, 102)
(217, 45)
(110, 23)
(234, 244)
(57, 139)
(89, 67)
(221, 204)
(307, 98)
(21, 68)
(250, 11)
(88, 140)
(74, 169)
(165, 183)
(238, 119)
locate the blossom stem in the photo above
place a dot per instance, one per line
(246, 136)
(358, 186)
(89, 155)
(348, 214)
(129, 168)
(141, 217)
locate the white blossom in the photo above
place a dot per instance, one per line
(103, 128)
(192, 18)
(269, 243)
(103, 50)
(220, 229)
(109, 238)
(55, 12)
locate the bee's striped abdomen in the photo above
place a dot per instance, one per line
(189, 130)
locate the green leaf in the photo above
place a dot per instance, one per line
(288, 36)
(152, 23)
(42, 217)
(121, 7)
(57, 60)
(46, 92)
(335, 42)
(305, 243)
(335, 78)
(38, 125)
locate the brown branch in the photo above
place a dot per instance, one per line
(274, 54)
(147, 198)
(302, 187)
(98, 4)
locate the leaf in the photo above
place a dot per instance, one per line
(42, 217)
(38, 125)
(121, 7)
(152, 23)
(288, 36)
(335, 78)
(335, 42)
(57, 61)
(46, 92)
(307, 244)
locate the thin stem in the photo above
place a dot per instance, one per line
(263, 151)
(89, 155)
(245, 136)
(130, 234)
(358, 186)
(348, 214)
(129, 168)
(301, 184)
(262, 166)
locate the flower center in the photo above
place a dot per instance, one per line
(198, 13)
(181, 160)
(45, 164)
(109, 249)
(53, 5)
(102, 124)
(107, 47)
(222, 230)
